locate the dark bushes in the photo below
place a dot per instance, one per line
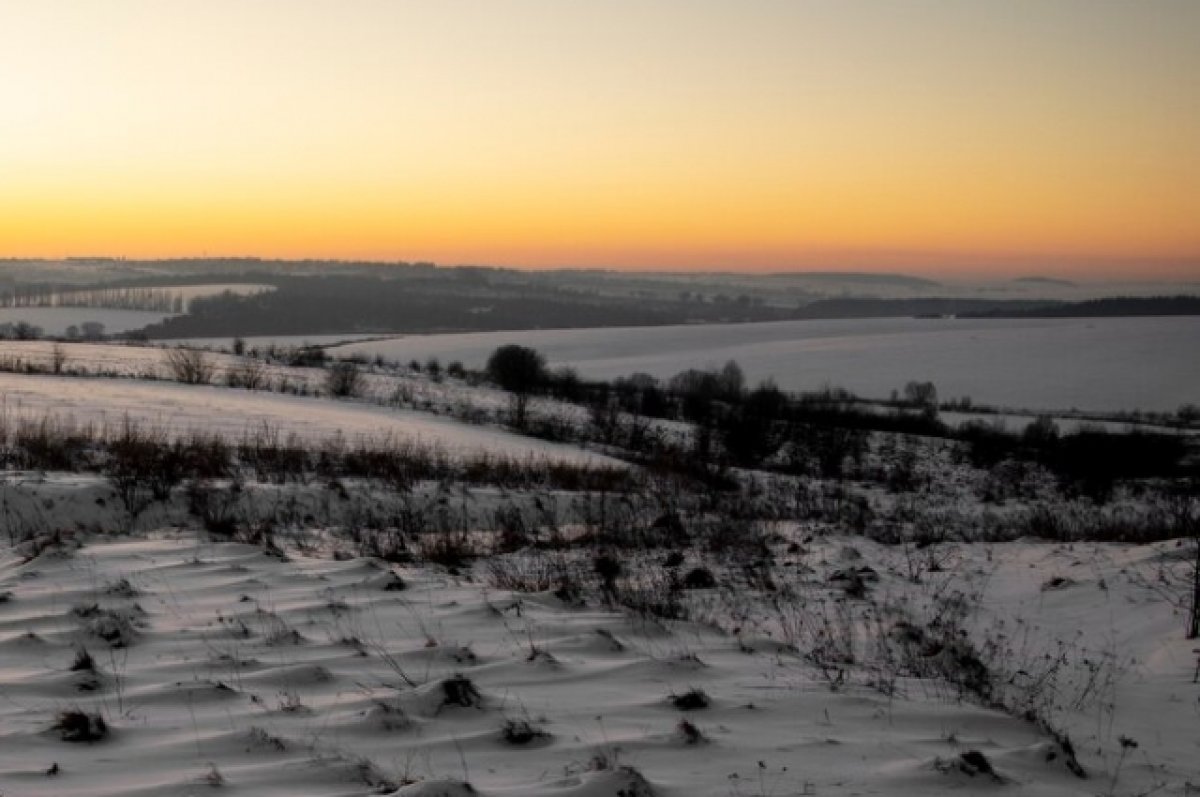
(699, 578)
(344, 380)
(146, 464)
(1090, 461)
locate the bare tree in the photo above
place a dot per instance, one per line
(920, 393)
(58, 358)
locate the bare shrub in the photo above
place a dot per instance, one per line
(449, 548)
(48, 443)
(189, 366)
(250, 374)
(216, 505)
(690, 733)
(653, 594)
(213, 777)
(117, 627)
(535, 573)
(344, 380)
(142, 466)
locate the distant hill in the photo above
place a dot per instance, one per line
(1046, 281)
(858, 278)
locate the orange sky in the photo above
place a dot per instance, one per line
(965, 139)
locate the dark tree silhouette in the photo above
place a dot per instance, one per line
(520, 370)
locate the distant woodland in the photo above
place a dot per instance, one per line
(343, 304)
(337, 297)
(1095, 308)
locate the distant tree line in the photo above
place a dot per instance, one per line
(1099, 308)
(23, 330)
(340, 304)
(433, 300)
(162, 300)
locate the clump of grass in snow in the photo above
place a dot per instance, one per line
(690, 700)
(521, 732)
(459, 691)
(690, 733)
(74, 725)
(83, 662)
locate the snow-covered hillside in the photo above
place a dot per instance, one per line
(277, 614)
(183, 409)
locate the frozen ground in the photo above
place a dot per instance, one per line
(286, 676)
(1050, 364)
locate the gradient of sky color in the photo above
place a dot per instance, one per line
(955, 137)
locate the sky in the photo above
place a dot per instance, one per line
(954, 138)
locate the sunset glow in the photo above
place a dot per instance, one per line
(939, 138)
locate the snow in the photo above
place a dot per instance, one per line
(411, 390)
(292, 676)
(1039, 364)
(184, 408)
(291, 670)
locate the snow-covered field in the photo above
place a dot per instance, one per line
(1050, 364)
(93, 358)
(219, 665)
(183, 408)
(416, 391)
